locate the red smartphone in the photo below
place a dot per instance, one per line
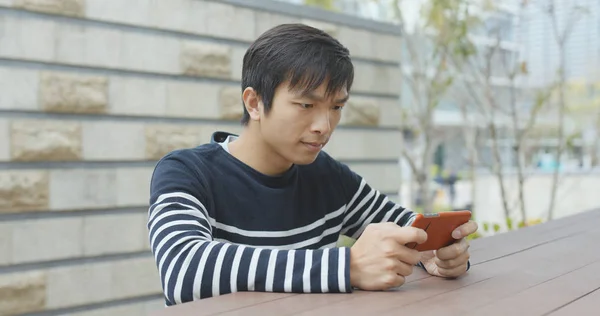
(439, 228)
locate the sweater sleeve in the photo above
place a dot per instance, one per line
(192, 265)
(367, 205)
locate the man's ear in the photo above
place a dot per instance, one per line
(252, 103)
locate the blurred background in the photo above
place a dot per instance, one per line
(491, 106)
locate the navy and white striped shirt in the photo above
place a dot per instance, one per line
(217, 226)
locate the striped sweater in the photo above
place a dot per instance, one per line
(217, 226)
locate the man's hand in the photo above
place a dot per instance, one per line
(379, 260)
(451, 261)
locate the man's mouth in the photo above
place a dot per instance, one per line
(313, 145)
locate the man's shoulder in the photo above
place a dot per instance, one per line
(198, 157)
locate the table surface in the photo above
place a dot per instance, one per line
(546, 269)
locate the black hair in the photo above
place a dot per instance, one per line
(300, 54)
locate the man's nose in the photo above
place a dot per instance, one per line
(322, 123)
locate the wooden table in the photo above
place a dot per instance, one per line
(547, 269)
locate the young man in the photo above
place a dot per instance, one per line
(263, 211)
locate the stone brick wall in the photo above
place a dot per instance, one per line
(93, 92)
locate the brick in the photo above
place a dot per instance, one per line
(133, 186)
(387, 47)
(86, 45)
(371, 78)
(328, 28)
(22, 191)
(113, 233)
(266, 21)
(363, 77)
(391, 112)
(96, 42)
(6, 243)
(105, 140)
(359, 144)
(237, 62)
(22, 293)
(137, 96)
(70, 43)
(135, 277)
(45, 140)
(224, 20)
(159, 139)
(79, 189)
(27, 38)
(19, 88)
(361, 111)
(194, 16)
(205, 60)
(162, 139)
(179, 15)
(4, 140)
(63, 92)
(153, 306)
(129, 12)
(70, 285)
(116, 280)
(387, 80)
(192, 99)
(358, 41)
(135, 309)
(231, 105)
(46, 239)
(132, 309)
(61, 7)
(149, 53)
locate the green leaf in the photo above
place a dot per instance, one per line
(323, 4)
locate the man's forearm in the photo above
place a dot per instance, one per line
(194, 266)
(200, 269)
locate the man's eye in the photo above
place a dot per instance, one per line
(306, 105)
(338, 108)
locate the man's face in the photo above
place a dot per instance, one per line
(298, 126)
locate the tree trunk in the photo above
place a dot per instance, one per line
(425, 185)
(521, 179)
(518, 135)
(561, 129)
(595, 144)
(473, 176)
(499, 171)
(424, 193)
(471, 140)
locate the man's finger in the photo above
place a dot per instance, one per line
(453, 263)
(453, 273)
(453, 251)
(465, 230)
(406, 235)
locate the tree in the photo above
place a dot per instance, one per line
(491, 82)
(424, 68)
(323, 4)
(561, 37)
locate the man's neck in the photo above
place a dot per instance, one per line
(250, 149)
